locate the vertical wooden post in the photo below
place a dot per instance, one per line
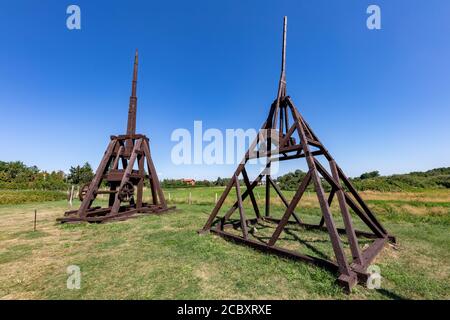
(156, 187)
(241, 208)
(267, 211)
(250, 193)
(35, 218)
(140, 186)
(132, 109)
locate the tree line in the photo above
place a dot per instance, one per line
(17, 175)
(431, 179)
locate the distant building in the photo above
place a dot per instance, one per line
(189, 181)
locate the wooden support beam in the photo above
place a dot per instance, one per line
(249, 189)
(222, 198)
(95, 183)
(271, 153)
(116, 160)
(283, 199)
(154, 177)
(126, 176)
(354, 246)
(349, 200)
(360, 200)
(298, 195)
(268, 165)
(140, 186)
(241, 208)
(217, 207)
(330, 200)
(244, 196)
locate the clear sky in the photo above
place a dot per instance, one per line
(378, 99)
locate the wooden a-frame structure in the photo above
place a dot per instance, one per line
(277, 131)
(117, 168)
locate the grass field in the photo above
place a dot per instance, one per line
(162, 257)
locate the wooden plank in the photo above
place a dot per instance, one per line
(354, 246)
(268, 165)
(271, 153)
(95, 183)
(116, 160)
(153, 174)
(140, 186)
(267, 202)
(249, 189)
(371, 252)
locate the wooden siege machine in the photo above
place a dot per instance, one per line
(308, 147)
(123, 169)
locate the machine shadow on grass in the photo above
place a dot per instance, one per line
(296, 238)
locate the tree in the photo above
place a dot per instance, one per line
(17, 175)
(80, 175)
(368, 175)
(291, 180)
(219, 182)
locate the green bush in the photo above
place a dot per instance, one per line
(432, 179)
(27, 196)
(16, 175)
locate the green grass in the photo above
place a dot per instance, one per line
(163, 257)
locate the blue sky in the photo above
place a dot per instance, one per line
(379, 100)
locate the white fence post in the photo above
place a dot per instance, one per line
(71, 195)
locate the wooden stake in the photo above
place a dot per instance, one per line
(35, 217)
